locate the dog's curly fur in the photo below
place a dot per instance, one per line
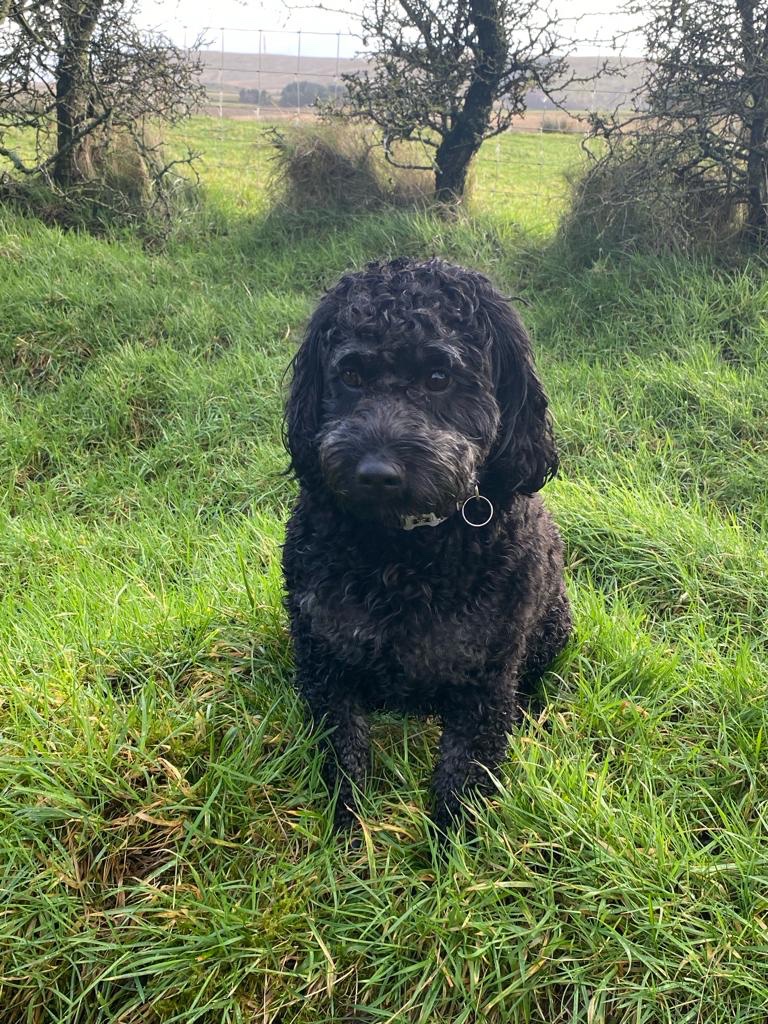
(414, 383)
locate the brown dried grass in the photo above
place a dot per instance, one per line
(340, 168)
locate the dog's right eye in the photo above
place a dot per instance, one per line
(438, 380)
(351, 379)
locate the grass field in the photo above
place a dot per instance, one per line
(165, 851)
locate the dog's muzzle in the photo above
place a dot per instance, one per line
(390, 465)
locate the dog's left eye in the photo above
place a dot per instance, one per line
(437, 380)
(351, 378)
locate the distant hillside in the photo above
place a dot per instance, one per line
(270, 71)
(606, 93)
(224, 75)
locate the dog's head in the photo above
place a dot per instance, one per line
(414, 383)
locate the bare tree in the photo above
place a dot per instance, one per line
(447, 74)
(77, 74)
(701, 116)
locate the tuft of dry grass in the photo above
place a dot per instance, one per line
(334, 167)
(122, 169)
(631, 201)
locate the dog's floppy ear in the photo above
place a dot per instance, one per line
(524, 456)
(305, 397)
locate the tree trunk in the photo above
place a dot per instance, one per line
(757, 181)
(754, 41)
(452, 161)
(73, 162)
(72, 153)
(470, 123)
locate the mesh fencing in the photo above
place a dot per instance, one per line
(277, 73)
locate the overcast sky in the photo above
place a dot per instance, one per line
(241, 21)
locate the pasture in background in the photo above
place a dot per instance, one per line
(165, 850)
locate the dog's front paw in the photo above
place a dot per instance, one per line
(448, 812)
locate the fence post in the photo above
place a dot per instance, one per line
(258, 78)
(337, 78)
(221, 79)
(594, 80)
(298, 69)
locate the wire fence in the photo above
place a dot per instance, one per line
(256, 73)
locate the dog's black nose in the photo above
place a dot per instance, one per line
(376, 475)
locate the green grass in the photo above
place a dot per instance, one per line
(165, 852)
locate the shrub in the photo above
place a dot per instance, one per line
(557, 123)
(256, 97)
(631, 200)
(302, 94)
(339, 168)
(124, 188)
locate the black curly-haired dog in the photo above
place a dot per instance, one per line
(423, 571)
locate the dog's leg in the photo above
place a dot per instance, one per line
(473, 743)
(347, 749)
(546, 642)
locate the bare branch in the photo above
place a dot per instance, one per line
(17, 162)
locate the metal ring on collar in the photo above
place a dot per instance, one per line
(477, 496)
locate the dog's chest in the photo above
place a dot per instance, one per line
(397, 630)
